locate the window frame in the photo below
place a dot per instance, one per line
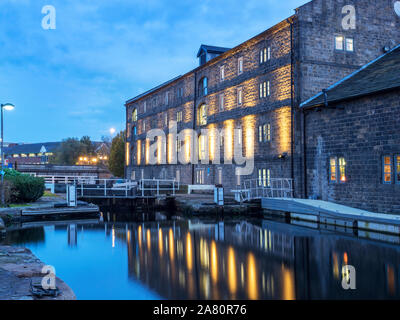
(352, 44)
(240, 65)
(342, 169)
(343, 43)
(222, 73)
(384, 165)
(221, 102)
(203, 114)
(239, 101)
(335, 171)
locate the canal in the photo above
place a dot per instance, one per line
(109, 258)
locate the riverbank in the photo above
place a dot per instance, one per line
(18, 266)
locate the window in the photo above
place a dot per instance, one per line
(178, 145)
(344, 44)
(349, 45)
(342, 170)
(264, 133)
(265, 54)
(240, 65)
(202, 147)
(144, 107)
(167, 98)
(264, 178)
(222, 73)
(144, 126)
(339, 43)
(134, 131)
(179, 92)
(265, 89)
(240, 96)
(200, 176)
(203, 87)
(387, 169)
(221, 102)
(332, 170)
(179, 116)
(397, 163)
(203, 115)
(166, 119)
(134, 115)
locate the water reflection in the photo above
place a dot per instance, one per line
(217, 260)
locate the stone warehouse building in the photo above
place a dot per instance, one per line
(353, 138)
(256, 88)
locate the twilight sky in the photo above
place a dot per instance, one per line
(74, 80)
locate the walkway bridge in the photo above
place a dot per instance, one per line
(255, 189)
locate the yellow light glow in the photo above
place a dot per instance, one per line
(248, 124)
(148, 239)
(160, 242)
(284, 130)
(204, 254)
(232, 273)
(228, 137)
(140, 236)
(288, 284)
(189, 252)
(171, 248)
(187, 147)
(147, 151)
(127, 153)
(170, 148)
(252, 285)
(214, 262)
(139, 152)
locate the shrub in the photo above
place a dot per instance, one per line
(25, 188)
(11, 194)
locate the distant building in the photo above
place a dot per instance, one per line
(353, 139)
(41, 153)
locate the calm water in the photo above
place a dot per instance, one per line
(210, 260)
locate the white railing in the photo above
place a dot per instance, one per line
(277, 188)
(61, 179)
(123, 188)
(157, 186)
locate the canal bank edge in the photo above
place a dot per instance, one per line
(18, 266)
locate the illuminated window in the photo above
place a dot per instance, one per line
(240, 135)
(264, 178)
(178, 145)
(260, 178)
(240, 96)
(342, 170)
(265, 89)
(397, 159)
(349, 44)
(240, 65)
(200, 176)
(269, 53)
(222, 73)
(203, 87)
(260, 133)
(144, 126)
(266, 132)
(221, 102)
(203, 115)
(179, 116)
(134, 115)
(339, 43)
(32, 155)
(265, 54)
(268, 88)
(387, 169)
(332, 169)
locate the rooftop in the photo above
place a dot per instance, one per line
(381, 74)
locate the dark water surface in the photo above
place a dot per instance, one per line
(198, 259)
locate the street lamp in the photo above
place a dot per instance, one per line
(8, 107)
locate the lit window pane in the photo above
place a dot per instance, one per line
(339, 43)
(349, 45)
(333, 169)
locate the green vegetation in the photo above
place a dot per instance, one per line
(72, 148)
(116, 163)
(50, 195)
(22, 188)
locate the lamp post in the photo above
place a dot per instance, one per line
(8, 107)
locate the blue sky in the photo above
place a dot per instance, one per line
(74, 80)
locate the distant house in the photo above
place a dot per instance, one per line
(35, 153)
(41, 153)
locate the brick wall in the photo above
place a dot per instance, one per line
(363, 132)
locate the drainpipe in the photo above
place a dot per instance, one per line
(325, 92)
(292, 61)
(194, 115)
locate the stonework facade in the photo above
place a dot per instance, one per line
(257, 88)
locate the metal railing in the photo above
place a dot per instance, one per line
(64, 179)
(276, 188)
(123, 188)
(157, 186)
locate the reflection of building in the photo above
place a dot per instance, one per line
(72, 235)
(254, 88)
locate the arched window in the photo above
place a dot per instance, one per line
(202, 115)
(134, 115)
(203, 87)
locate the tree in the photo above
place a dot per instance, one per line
(116, 162)
(87, 147)
(68, 152)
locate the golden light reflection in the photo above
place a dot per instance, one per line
(140, 236)
(113, 237)
(189, 252)
(171, 248)
(335, 265)
(232, 273)
(391, 285)
(128, 236)
(148, 239)
(252, 285)
(214, 262)
(288, 284)
(204, 254)
(160, 242)
(147, 151)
